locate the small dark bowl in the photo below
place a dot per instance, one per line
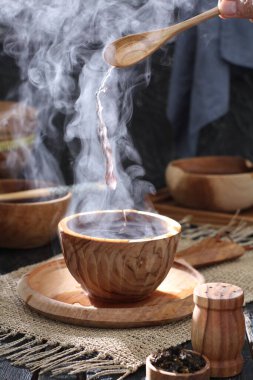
(153, 373)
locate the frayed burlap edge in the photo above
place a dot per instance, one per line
(45, 356)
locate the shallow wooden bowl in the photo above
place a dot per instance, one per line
(119, 268)
(29, 224)
(153, 373)
(218, 183)
(17, 135)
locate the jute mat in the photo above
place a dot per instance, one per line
(38, 343)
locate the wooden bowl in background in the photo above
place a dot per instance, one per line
(29, 224)
(218, 183)
(119, 267)
(17, 134)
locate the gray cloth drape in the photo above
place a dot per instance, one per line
(200, 78)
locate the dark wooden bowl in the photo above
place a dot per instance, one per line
(218, 183)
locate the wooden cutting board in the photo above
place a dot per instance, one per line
(165, 205)
(52, 291)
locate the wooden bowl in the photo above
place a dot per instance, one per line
(153, 373)
(29, 224)
(129, 262)
(218, 183)
(17, 135)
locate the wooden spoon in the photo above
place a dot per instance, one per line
(210, 251)
(24, 195)
(54, 192)
(129, 50)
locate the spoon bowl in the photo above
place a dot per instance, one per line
(131, 49)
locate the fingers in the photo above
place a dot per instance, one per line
(227, 8)
(236, 8)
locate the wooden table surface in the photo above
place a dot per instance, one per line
(13, 259)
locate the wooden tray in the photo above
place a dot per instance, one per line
(165, 205)
(52, 291)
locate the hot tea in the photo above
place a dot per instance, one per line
(121, 225)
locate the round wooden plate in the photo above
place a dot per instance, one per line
(52, 291)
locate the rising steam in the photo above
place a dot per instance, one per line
(58, 47)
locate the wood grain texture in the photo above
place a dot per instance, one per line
(132, 49)
(119, 270)
(218, 327)
(29, 225)
(218, 183)
(210, 251)
(51, 290)
(153, 373)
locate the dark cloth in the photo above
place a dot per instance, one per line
(199, 87)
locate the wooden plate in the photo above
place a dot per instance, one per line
(52, 291)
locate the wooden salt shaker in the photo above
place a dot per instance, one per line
(218, 327)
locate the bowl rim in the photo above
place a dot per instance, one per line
(64, 198)
(173, 164)
(173, 374)
(175, 230)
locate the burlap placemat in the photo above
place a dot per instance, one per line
(58, 347)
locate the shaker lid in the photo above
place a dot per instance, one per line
(218, 295)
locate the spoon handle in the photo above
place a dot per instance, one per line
(184, 25)
(27, 194)
(58, 191)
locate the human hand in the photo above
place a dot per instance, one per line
(236, 8)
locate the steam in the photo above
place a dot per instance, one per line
(102, 133)
(58, 48)
(123, 224)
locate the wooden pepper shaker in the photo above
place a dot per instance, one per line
(218, 327)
